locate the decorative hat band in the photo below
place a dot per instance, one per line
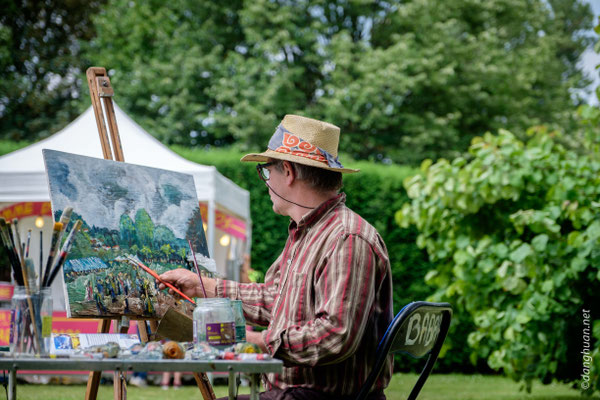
(284, 141)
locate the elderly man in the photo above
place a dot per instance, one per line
(327, 299)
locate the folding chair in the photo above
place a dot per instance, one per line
(420, 328)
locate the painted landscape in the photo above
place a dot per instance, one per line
(126, 210)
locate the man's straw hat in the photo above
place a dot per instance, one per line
(304, 141)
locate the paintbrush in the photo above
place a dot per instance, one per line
(12, 256)
(29, 289)
(30, 268)
(28, 243)
(17, 239)
(41, 258)
(56, 231)
(64, 220)
(197, 269)
(63, 253)
(158, 278)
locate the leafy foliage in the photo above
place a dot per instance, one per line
(40, 63)
(404, 79)
(514, 232)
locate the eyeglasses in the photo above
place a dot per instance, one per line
(263, 172)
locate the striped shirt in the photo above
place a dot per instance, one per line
(326, 300)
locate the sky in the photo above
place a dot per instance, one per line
(590, 59)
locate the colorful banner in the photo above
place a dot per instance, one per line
(6, 291)
(26, 209)
(228, 224)
(4, 327)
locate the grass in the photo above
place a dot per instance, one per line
(438, 387)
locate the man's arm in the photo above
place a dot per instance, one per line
(257, 298)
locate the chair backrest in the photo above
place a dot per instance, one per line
(420, 328)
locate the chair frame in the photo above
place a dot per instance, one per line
(390, 344)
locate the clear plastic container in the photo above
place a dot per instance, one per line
(240, 321)
(214, 322)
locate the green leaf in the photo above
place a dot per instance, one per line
(539, 242)
(547, 286)
(522, 252)
(579, 264)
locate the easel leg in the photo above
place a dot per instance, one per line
(232, 386)
(119, 386)
(143, 330)
(254, 386)
(93, 383)
(12, 385)
(204, 385)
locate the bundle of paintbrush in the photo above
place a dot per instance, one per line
(32, 302)
(57, 255)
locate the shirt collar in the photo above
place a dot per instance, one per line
(316, 214)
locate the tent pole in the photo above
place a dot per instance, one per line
(211, 228)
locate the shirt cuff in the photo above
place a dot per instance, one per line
(225, 288)
(273, 346)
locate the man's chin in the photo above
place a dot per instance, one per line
(276, 210)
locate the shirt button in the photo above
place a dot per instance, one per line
(289, 261)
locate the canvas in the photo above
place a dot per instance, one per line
(126, 210)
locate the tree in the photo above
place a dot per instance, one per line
(404, 80)
(163, 235)
(167, 250)
(514, 232)
(144, 228)
(127, 230)
(40, 63)
(163, 58)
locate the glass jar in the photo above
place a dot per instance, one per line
(27, 337)
(44, 319)
(214, 322)
(240, 321)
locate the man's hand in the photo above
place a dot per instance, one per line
(188, 282)
(257, 339)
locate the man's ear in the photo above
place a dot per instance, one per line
(289, 173)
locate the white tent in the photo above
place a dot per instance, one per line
(23, 176)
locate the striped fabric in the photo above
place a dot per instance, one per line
(326, 300)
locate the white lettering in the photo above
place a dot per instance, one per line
(423, 330)
(415, 319)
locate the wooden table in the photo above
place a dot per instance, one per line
(251, 368)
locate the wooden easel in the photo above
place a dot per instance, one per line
(100, 88)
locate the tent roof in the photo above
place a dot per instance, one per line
(23, 175)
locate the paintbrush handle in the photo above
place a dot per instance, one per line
(157, 277)
(63, 254)
(55, 235)
(197, 269)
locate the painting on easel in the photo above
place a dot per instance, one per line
(128, 211)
